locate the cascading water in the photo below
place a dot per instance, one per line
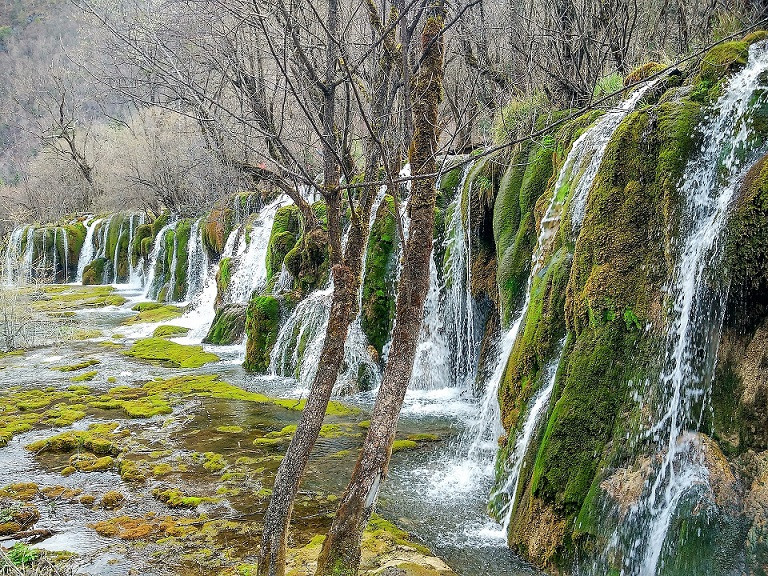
(470, 471)
(588, 150)
(12, 255)
(709, 183)
(55, 255)
(135, 272)
(577, 174)
(157, 258)
(88, 250)
(538, 406)
(251, 271)
(197, 262)
(116, 255)
(297, 349)
(169, 296)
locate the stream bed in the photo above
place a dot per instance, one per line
(198, 478)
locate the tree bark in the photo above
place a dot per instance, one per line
(340, 555)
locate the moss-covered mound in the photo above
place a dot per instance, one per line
(170, 331)
(154, 312)
(262, 325)
(228, 325)
(177, 355)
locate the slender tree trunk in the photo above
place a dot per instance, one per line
(340, 555)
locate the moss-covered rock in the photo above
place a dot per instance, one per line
(747, 249)
(378, 309)
(228, 325)
(262, 325)
(722, 60)
(97, 272)
(613, 300)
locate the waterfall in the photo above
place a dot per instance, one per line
(459, 304)
(284, 281)
(708, 186)
(42, 258)
(88, 249)
(197, 262)
(297, 350)
(538, 406)
(135, 273)
(588, 150)
(157, 258)
(12, 255)
(578, 173)
(251, 271)
(174, 264)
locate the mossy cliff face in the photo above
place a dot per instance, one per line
(598, 314)
(599, 293)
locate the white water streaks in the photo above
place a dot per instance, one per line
(537, 409)
(709, 183)
(89, 248)
(157, 258)
(197, 262)
(251, 270)
(588, 150)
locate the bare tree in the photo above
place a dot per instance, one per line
(341, 550)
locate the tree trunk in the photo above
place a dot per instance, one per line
(340, 555)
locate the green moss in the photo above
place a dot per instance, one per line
(403, 445)
(642, 72)
(174, 498)
(514, 228)
(99, 439)
(229, 429)
(308, 260)
(223, 277)
(79, 366)
(151, 312)
(378, 287)
(178, 355)
(169, 331)
(85, 376)
(755, 36)
(747, 250)
(262, 325)
(722, 60)
(214, 462)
